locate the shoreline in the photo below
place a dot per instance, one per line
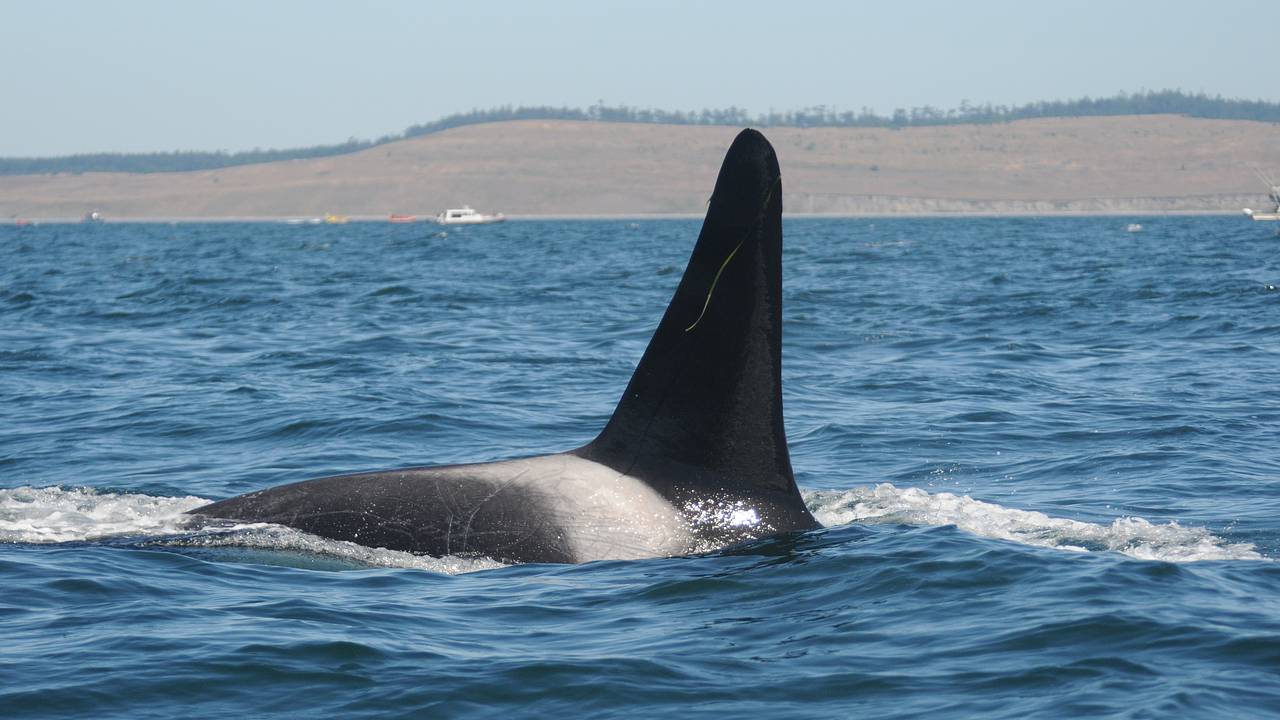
(610, 217)
(1141, 166)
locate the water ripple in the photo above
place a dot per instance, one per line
(1043, 450)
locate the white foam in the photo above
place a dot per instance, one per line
(54, 514)
(58, 515)
(1132, 536)
(265, 536)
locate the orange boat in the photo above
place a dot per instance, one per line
(403, 218)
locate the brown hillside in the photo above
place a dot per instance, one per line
(1120, 164)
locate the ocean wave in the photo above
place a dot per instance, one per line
(62, 515)
(52, 515)
(265, 536)
(59, 515)
(884, 503)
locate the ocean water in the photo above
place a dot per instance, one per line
(1046, 453)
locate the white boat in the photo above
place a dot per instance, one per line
(1134, 227)
(1274, 196)
(467, 216)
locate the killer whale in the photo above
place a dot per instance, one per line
(694, 457)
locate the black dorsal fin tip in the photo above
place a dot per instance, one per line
(748, 177)
(707, 394)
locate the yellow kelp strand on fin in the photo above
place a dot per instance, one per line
(712, 289)
(767, 197)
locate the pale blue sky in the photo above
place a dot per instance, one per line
(83, 76)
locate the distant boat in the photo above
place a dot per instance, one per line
(332, 219)
(93, 216)
(1134, 227)
(466, 216)
(403, 218)
(1273, 195)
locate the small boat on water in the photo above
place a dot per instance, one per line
(93, 216)
(403, 218)
(467, 216)
(1273, 195)
(331, 219)
(1134, 227)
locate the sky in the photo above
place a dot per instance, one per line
(158, 75)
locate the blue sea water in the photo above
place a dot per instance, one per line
(1045, 452)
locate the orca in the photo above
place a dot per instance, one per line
(693, 459)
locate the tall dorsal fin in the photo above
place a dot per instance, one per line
(706, 398)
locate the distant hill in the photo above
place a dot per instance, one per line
(1149, 163)
(1164, 102)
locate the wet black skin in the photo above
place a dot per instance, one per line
(700, 422)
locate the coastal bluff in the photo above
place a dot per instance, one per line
(1124, 164)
